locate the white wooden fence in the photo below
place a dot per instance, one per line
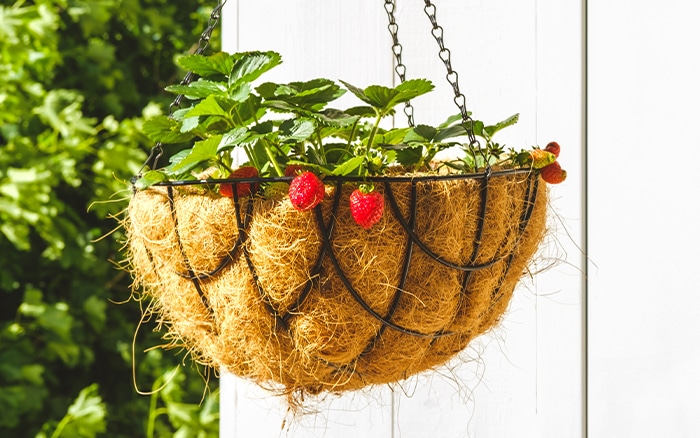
(604, 344)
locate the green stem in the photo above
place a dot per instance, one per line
(153, 409)
(321, 148)
(226, 166)
(238, 115)
(343, 157)
(59, 428)
(272, 158)
(373, 133)
(251, 156)
(252, 111)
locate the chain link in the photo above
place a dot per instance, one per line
(445, 56)
(452, 76)
(202, 45)
(397, 49)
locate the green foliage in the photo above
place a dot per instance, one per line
(79, 80)
(85, 417)
(281, 124)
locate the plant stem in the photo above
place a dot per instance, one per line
(226, 166)
(59, 428)
(251, 156)
(152, 410)
(272, 158)
(373, 133)
(321, 148)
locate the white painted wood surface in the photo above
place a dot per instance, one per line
(644, 296)
(525, 379)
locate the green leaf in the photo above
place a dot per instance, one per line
(219, 63)
(512, 120)
(248, 111)
(349, 166)
(478, 128)
(450, 132)
(207, 107)
(263, 128)
(327, 117)
(96, 312)
(202, 152)
(296, 130)
(334, 117)
(198, 89)
(311, 95)
(166, 130)
(189, 124)
(392, 136)
(385, 98)
(249, 66)
(381, 97)
(150, 178)
(421, 133)
(361, 111)
(411, 89)
(233, 138)
(450, 120)
(409, 156)
(85, 417)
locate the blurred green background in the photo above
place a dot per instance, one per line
(77, 79)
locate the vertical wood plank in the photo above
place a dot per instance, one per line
(644, 300)
(561, 291)
(525, 377)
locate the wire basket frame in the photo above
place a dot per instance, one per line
(326, 223)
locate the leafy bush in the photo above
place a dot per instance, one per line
(79, 78)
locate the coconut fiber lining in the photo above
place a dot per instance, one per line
(309, 302)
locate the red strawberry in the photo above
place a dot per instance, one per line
(366, 208)
(540, 158)
(306, 191)
(293, 170)
(243, 189)
(553, 147)
(553, 173)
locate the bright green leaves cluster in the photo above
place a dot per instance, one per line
(384, 99)
(77, 79)
(274, 124)
(280, 124)
(190, 419)
(85, 417)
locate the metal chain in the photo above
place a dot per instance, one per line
(397, 49)
(452, 76)
(202, 45)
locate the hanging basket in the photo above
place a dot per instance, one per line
(307, 302)
(314, 302)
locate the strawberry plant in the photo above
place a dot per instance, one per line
(282, 128)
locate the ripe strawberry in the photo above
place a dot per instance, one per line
(553, 173)
(366, 208)
(243, 189)
(293, 170)
(553, 147)
(306, 191)
(541, 158)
